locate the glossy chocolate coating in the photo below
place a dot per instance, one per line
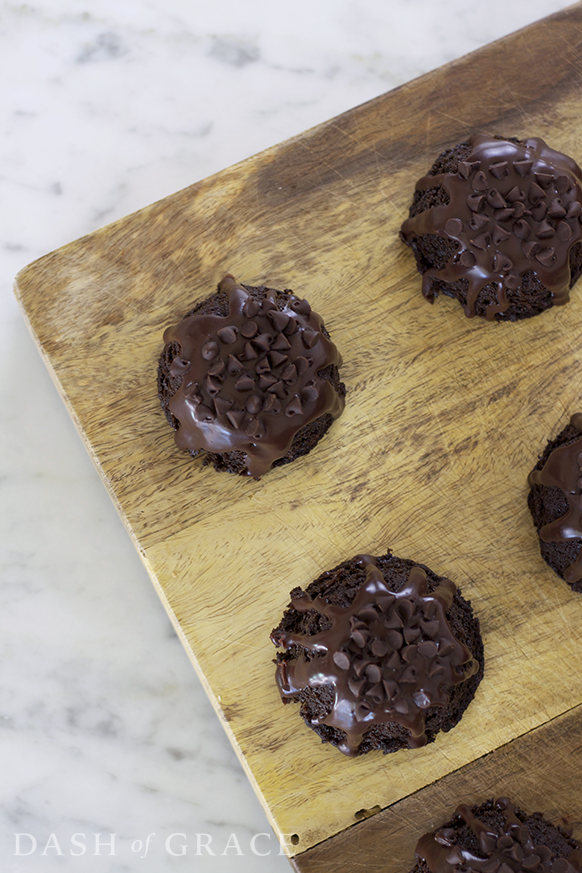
(513, 208)
(389, 656)
(563, 469)
(512, 851)
(251, 379)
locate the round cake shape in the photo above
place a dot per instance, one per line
(251, 378)
(555, 503)
(497, 837)
(496, 224)
(381, 653)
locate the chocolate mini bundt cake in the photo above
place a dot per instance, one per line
(250, 378)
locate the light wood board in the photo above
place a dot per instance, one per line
(444, 418)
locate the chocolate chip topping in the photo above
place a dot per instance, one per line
(232, 366)
(503, 194)
(514, 850)
(563, 469)
(389, 656)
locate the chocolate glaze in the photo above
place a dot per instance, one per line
(389, 656)
(563, 469)
(250, 380)
(513, 207)
(511, 851)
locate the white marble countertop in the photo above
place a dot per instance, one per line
(106, 107)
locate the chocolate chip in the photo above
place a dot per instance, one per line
(385, 601)
(504, 214)
(563, 231)
(468, 167)
(291, 327)
(378, 647)
(393, 662)
(475, 201)
(539, 211)
(499, 234)
(360, 637)
(530, 249)
(487, 843)
(262, 366)
(499, 170)
(516, 852)
(535, 193)
(408, 675)
(368, 612)
(574, 209)
(482, 241)
(478, 220)
(556, 209)
(250, 353)
(544, 179)
(394, 639)
(480, 182)
(278, 319)
(295, 407)
(216, 368)
(361, 710)
(309, 338)
(430, 628)
(281, 343)
(277, 358)
(560, 865)
(373, 673)
(504, 842)
(391, 688)
(356, 685)
(428, 649)
(411, 634)
(401, 706)
(515, 194)
(272, 404)
(253, 404)
(278, 388)
(495, 199)
(359, 665)
(228, 334)
(267, 306)
(310, 393)
(393, 620)
(234, 366)
(376, 693)
(302, 364)
(266, 380)
(289, 373)
(244, 383)
(546, 257)
(341, 660)
(519, 210)
(468, 259)
(523, 167)
(221, 405)
(302, 307)
(521, 229)
(562, 184)
(254, 429)
(210, 351)
(203, 413)
(512, 282)
(263, 341)
(179, 366)
(545, 230)
(249, 329)
(501, 263)
(409, 653)
(251, 308)
(454, 227)
(212, 385)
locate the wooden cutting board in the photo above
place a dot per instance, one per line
(445, 416)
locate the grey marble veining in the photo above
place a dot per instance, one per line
(105, 108)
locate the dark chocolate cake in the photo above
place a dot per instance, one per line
(555, 502)
(250, 378)
(497, 837)
(496, 224)
(381, 653)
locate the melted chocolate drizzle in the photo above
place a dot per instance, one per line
(563, 469)
(512, 851)
(250, 380)
(512, 208)
(390, 656)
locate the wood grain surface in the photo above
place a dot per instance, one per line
(444, 419)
